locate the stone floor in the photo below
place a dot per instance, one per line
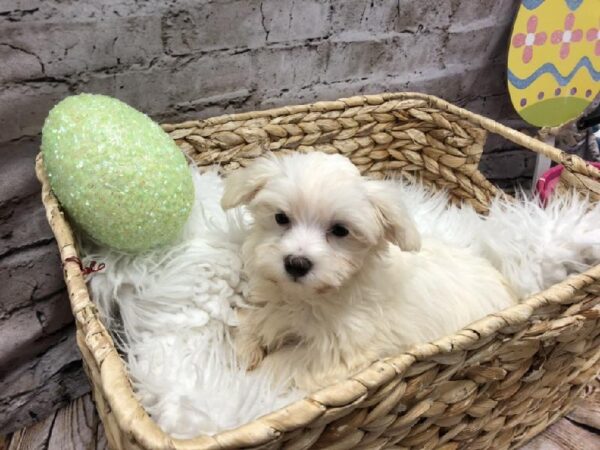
(77, 426)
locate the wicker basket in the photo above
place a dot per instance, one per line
(494, 384)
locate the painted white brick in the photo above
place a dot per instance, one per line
(293, 20)
(197, 26)
(66, 48)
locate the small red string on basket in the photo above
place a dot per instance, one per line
(86, 270)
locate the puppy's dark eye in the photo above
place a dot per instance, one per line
(282, 219)
(339, 230)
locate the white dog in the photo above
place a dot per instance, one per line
(338, 274)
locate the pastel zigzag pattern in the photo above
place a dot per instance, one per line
(522, 83)
(532, 4)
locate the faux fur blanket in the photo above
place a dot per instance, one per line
(171, 310)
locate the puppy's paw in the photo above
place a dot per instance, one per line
(254, 358)
(249, 351)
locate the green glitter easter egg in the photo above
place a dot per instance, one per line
(118, 175)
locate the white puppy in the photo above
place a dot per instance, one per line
(338, 274)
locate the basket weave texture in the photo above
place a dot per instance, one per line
(495, 384)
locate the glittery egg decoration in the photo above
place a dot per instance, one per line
(117, 174)
(554, 60)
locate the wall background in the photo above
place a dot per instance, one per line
(183, 59)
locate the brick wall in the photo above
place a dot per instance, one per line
(183, 59)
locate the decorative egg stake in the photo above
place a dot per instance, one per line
(554, 60)
(119, 176)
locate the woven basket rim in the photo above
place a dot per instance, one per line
(135, 421)
(573, 162)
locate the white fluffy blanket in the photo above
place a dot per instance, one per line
(171, 309)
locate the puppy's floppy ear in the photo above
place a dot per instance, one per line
(398, 226)
(242, 185)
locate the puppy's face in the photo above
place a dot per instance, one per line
(315, 219)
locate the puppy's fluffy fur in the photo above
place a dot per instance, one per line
(370, 293)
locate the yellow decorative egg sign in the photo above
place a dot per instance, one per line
(554, 59)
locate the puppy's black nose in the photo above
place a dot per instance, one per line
(297, 266)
